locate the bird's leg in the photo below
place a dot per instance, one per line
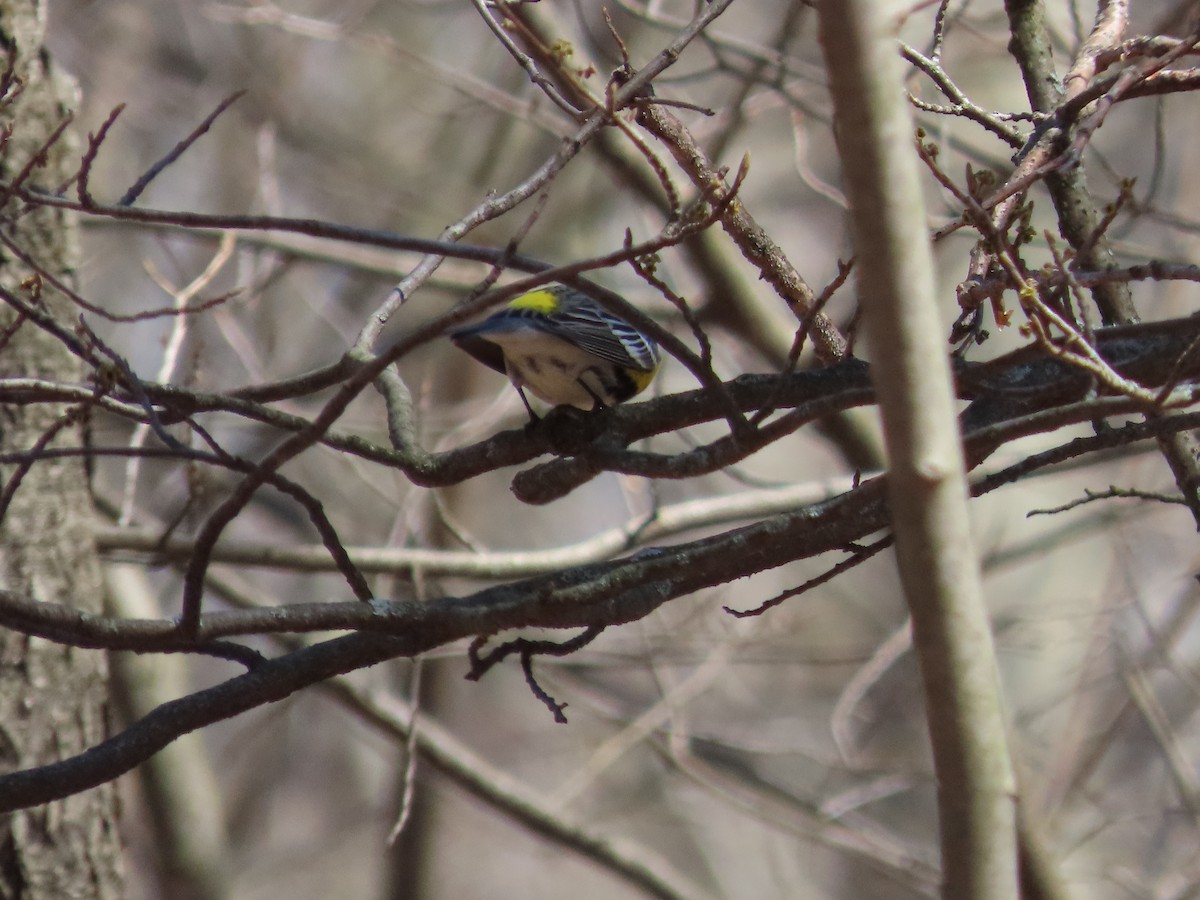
(598, 403)
(534, 418)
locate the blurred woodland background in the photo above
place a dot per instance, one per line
(778, 755)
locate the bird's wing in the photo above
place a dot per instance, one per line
(605, 336)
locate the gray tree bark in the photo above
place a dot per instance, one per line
(52, 698)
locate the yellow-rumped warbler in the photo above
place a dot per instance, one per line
(566, 348)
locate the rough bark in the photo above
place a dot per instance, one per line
(52, 698)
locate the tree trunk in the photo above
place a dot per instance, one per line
(52, 698)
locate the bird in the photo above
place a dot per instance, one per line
(565, 348)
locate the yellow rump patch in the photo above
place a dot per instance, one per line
(542, 300)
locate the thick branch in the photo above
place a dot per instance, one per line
(926, 477)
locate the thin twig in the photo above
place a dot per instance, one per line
(177, 151)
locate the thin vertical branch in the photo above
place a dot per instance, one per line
(1077, 215)
(179, 329)
(926, 480)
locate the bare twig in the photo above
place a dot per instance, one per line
(177, 151)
